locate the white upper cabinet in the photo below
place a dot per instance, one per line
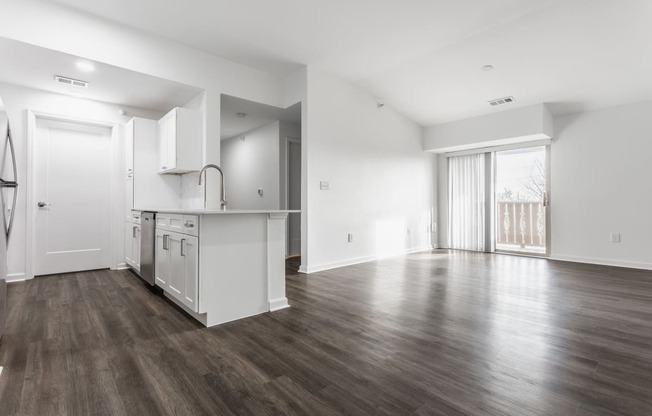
(180, 141)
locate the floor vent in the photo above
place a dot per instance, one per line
(71, 81)
(499, 101)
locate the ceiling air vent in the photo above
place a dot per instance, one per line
(71, 81)
(499, 101)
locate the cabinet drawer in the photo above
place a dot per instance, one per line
(190, 225)
(170, 222)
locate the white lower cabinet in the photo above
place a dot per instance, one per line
(132, 245)
(129, 244)
(177, 268)
(161, 259)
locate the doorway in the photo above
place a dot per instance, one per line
(521, 195)
(293, 196)
(71, 196)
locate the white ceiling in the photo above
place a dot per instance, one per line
(35, 67)
(256, 115)
(423, 57)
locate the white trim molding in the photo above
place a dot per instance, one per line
(278, 304)
(16, 277)
(603, 262)
(359, 260)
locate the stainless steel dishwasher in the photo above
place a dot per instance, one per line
(147, 245)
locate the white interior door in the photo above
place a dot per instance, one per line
(72, 193)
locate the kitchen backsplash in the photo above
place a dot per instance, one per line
(192, 195)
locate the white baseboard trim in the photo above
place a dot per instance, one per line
(16, 277)
(278, 304)
(359, 260)
(602, 262)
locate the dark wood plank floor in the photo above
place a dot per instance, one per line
(426, 334)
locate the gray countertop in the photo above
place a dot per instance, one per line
(217, 211)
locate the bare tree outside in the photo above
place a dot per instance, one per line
(527, 183)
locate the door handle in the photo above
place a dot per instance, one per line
(166, 243)
(183, 245)
(133, 232)
(13, 184)
(42, 204)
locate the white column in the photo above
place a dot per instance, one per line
(276, 261)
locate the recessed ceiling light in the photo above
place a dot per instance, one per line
(241, 114)
(487, 68)
(85, 66)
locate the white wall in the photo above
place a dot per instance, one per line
(501, 128)
(252, 164)
(600, 173)
(381, 182)
(17, 101)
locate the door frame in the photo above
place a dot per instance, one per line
(30, 197)
(289, 140)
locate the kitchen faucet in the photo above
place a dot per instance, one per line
(222, 193)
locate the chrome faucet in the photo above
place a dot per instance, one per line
(222, 193)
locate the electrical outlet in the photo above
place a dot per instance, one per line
(350, 237)
(614, 237)
(324, 186)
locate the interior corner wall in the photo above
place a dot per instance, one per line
(380, 180)
(252, 164)
(17, 101)
(600, 172)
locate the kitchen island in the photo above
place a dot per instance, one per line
(220, 266)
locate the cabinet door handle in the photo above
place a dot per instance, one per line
(133, 232)
(188, 224)
(166, 242)
(163, 167)
(183, 245)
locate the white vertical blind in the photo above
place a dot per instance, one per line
(466, 202)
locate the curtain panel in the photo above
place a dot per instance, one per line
(466, 187)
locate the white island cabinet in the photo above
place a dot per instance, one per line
(220, 266)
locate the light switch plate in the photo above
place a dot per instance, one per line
(324, 186)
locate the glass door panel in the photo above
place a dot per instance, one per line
(521, 199)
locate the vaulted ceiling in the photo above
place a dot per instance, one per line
(424, 57)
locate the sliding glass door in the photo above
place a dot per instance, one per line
(521, 195)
